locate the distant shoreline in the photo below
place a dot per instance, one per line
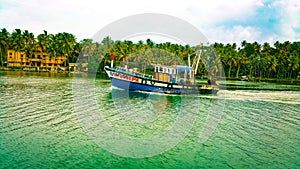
(277, 81)
(55, 72)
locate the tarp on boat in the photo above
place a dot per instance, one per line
(181, 68)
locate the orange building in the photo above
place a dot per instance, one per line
(36, 60)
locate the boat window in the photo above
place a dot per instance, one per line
(160, 69)
(181, 73)
(164, 69)
(156, 69)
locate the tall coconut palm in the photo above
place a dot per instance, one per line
(271, 65)
(43, 41)
(107, 42)
(240, 61)
(293, 63)
(29, 43)
(17, 42)
(4, 44)
(65, 45)
(232, 57)
(52, 46)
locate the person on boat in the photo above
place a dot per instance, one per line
(209, 81)
(212, 82)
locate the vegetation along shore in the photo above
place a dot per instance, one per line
(21, 50)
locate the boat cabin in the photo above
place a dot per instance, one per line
(174, 74)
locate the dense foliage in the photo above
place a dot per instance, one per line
(263, 61)
(282, 60)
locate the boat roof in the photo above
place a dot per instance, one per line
(180, 67)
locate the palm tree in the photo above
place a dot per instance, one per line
(29, 43)
(43, 41)
(65, 45)
(149, 42)
(51, 48)
(17, 42)
(232, 56)
(293, 63)
(271, 65)
(240, 60)
(4, 44)
(107, 42)
(75, 53)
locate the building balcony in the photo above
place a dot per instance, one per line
(35, 60)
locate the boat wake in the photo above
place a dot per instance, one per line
(288, 97)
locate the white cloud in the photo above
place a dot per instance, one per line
(213, 11)
(290, 9)
(235, 35)
(85, 18)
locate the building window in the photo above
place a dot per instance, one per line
(22, 55)
(10, 53)
(50, 64)
(39, 56)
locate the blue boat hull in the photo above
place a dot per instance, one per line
(122, 84)
(140, 87)
(133, 82)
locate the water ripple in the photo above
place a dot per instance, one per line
(40, 129)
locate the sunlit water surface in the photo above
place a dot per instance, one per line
(39, 127)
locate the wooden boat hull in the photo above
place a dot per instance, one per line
(133, 82)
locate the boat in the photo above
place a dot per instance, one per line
(175, 79)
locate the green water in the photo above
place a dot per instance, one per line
(45, 124)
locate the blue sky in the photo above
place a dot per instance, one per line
(219, 20)
(266, 19)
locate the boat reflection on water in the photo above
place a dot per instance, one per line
(131, 102)
(119, 93)
(132, 108)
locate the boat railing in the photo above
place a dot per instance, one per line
(148, 76)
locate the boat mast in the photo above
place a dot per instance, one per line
(112, 57)
(197, 59)
(189, 60)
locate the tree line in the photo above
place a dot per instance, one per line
(278, 61)
(61, 44)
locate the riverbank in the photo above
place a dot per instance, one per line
(279, 81)
(51, 73)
